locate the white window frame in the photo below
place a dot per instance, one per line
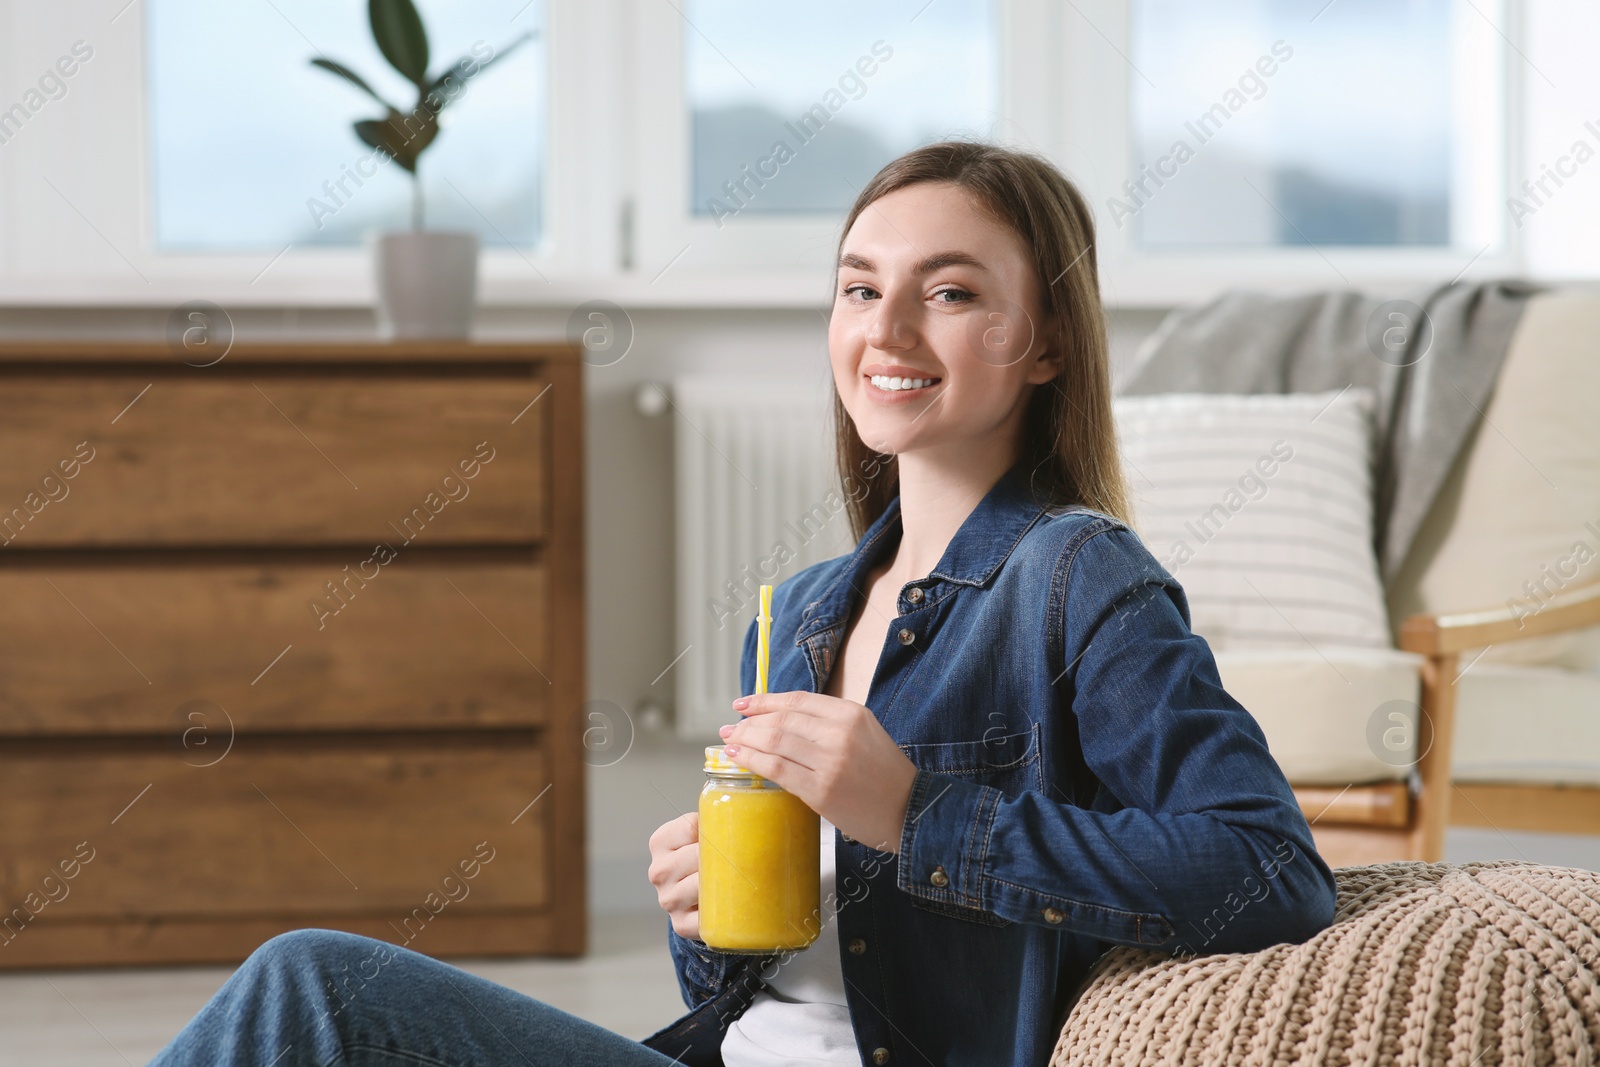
(617, 207)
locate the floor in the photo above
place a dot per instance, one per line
(120, 1018)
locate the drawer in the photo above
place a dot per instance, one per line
(270, 459)
(121, 648)
(280, 828)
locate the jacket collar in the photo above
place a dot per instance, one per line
(982, 543)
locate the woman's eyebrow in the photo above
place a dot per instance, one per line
(927, 265)
(953, 258)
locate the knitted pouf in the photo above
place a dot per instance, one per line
(1468, 965)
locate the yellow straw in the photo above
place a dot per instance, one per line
(764, 638)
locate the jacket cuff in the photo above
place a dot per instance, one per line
(702, 971)
(944, 842)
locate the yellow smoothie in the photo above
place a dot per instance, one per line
(758, 863)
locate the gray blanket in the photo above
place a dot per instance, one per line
(1432, 360)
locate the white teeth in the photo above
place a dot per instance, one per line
(884, 381)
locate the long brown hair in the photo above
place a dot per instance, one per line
(1068, 438)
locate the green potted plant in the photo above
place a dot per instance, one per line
(426, 279)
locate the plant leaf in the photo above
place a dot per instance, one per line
(454, 70)
(380, 135)
(402, 136)
(397, 28)
(373, 132)
(352, 77)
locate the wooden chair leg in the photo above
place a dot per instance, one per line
(1435, 742)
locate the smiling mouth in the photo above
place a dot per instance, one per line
(896, 384)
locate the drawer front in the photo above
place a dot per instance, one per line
(423, 643)
(275, 828)
(273, 460)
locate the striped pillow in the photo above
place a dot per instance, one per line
(1261, 507)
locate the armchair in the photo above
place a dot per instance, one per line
(1482, 716)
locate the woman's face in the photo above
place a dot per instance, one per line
(937, 333)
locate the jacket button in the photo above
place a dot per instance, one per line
(880, 1055)
(939, 878)
(915, 596)
(1053, 916)
(906, 637)
(857, 946)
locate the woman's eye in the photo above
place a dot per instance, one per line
(860, 292)
(952, 296)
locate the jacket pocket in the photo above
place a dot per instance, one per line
(1008, 761)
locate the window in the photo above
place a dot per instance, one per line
(815, 98)
(757, 123)
(252, 147)
(1384, 143)
(1367, 123)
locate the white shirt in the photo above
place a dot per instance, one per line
(800, 1016)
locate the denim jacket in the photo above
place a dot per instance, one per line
(1083, 781)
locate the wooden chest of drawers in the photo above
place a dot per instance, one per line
(291, 640)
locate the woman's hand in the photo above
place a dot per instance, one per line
(831, 753)
(675, 872)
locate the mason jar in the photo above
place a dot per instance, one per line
(759, 862)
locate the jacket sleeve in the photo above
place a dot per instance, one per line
(1193, 841)
(704, 972)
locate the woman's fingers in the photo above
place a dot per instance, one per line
(674, 854)
(676, 876)
(776, 735)
(675, 833)
(680, 896)
(794, 777)
(687, 923)
(799, 701)
(675, 872)
(671, 865)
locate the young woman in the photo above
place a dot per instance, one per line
(1021, 753)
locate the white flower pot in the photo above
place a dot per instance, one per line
(427, 283)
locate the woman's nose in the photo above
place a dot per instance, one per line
(893, 325)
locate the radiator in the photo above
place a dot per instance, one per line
(757, 501)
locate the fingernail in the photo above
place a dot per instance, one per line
(741, 703)
(730, 751)
(725, 730)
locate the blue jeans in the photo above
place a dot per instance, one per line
(319, 998)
